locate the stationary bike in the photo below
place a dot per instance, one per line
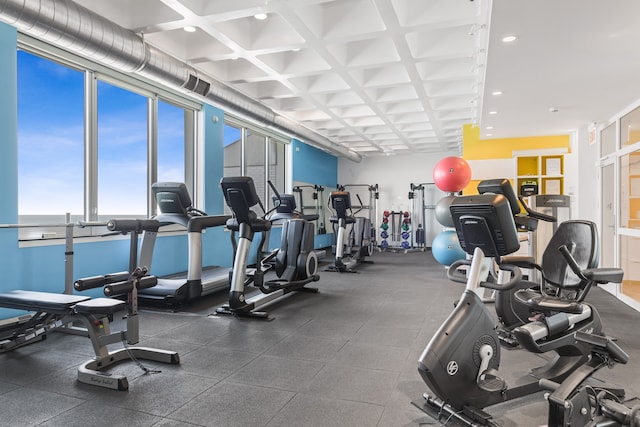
(352, 247)
(460, 363)
(295, 260)
(556, 276)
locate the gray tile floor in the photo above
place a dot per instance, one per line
(346, 356)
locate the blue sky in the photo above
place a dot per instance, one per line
(51, 141)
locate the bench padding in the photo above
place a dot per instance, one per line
(99, 306)
(40, 301)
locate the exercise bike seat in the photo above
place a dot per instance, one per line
(547, 304)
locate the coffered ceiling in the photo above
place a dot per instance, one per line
(402, 76)
(375, 76)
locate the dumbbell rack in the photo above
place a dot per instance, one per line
(392, 234)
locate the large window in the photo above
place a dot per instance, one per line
(122, 152)
(51, 139)
(91, 143)
(232, 150)
(250, 152)
(173, 124)
(254, 162)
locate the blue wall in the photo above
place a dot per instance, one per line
(42, 268)
(9, 268)
(313, 165)
(216, 249)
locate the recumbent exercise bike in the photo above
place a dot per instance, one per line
(556, 277)
(460, 363)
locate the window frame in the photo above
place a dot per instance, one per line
(92, 73)
(269, 137)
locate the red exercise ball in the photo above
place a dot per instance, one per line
(451, 174)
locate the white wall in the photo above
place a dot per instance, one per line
(588, 177)
(394, 176)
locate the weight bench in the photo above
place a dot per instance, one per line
(53, 311)
(49, 310)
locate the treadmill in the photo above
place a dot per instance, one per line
(174, 203)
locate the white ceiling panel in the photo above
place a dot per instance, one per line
(410, 69)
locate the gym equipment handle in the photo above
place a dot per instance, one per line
(516, 277)
(127, 285)
(536, 214)
(572, 262)
(129, 225)
(99, 281)
(454, 274)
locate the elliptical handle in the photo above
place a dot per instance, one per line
(516, 277)
(536, 215)
(361, 204)
(275, 191)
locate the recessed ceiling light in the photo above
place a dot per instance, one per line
(190, 29)
(489, 127)
(489, 134)
(260, 16)
(553, 110)
(493, 112)
(509, 39)
(496, 93)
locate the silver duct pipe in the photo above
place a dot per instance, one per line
(76, 29)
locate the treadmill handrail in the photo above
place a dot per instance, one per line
(199, 223)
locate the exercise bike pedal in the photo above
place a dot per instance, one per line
(489, 381)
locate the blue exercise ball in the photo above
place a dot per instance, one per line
(446, 248)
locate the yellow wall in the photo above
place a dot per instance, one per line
(474, 148)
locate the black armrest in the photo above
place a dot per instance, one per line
(604, 275)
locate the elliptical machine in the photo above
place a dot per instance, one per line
(460, 363)
(352, 247)
(295, 262)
